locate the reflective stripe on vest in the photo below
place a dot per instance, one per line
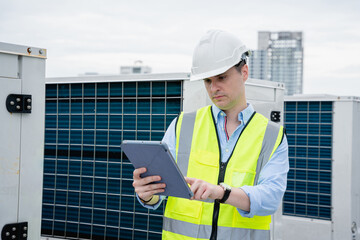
(200, 159)
(267, 148)
(186, 135)
(194, 231)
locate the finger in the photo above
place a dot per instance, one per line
(137, 172)
(205, 195)
(138, 182)
(190, 180)
(195, 188)
(200, 191)
(148, 195)
(150, 179)
(151, 189)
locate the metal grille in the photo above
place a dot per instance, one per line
(309, 132)
(87, 192)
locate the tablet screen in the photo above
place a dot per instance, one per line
(157, 159)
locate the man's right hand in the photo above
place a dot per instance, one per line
(144, 187)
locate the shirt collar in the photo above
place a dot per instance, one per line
(243, 116)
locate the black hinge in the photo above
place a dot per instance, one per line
(15, 231)
(275, 116)
(19, 103)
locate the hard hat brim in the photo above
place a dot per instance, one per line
(196, 77)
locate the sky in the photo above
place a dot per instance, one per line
(100, 36)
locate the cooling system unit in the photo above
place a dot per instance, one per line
(22, 96)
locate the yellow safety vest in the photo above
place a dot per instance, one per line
(192, 219)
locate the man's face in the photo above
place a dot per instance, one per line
(227, 90)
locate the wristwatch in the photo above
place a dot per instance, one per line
(227, 191)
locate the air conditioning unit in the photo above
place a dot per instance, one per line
(87, 180)
(22, 94)
(322, 200)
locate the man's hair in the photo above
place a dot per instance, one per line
(239, 66)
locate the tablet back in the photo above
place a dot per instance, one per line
(157, 159)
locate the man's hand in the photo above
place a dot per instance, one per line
(144, 187)
(203, 190)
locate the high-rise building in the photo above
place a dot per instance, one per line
(279, 58)
(257, 63)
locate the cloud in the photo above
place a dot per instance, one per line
(109, 63)
(99, 36)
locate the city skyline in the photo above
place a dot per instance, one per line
(92, 36)
(279, 58)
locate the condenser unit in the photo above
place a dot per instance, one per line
(322, 200)
(88, 191)
(22, 91)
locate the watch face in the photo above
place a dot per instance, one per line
(225, 186)
(227, 190)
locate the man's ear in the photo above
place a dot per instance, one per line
(245, 72)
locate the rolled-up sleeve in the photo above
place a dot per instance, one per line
(152, 207)
(266, 197)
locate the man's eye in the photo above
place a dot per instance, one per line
(222, 77)
(207, 80)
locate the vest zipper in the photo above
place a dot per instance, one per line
(217, 204)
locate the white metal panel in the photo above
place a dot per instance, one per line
(341, 184)
(265, 96)
(9, 154)
(277, 226)
(8, 66)
(22, 138)
(32, 142)
(346, 165)
(20, 50)
(296, 228)
(195, 96)
(355, 179)
(260, 93)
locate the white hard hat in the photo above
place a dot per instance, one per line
(216, 53)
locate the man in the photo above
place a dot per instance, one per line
(234, 159)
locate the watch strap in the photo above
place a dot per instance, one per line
(227, 192)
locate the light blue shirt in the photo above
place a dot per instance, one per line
(264, 197)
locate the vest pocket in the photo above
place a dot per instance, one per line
(203, 165)
(187, 210)
(240, 178)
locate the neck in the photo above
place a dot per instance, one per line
(232, 114)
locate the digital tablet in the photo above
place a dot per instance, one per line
(157, 159)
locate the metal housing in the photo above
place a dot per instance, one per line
(22, 71)
(345, 190)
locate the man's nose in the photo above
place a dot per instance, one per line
(214, 86)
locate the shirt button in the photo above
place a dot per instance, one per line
(226, 150)
(222, 114)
